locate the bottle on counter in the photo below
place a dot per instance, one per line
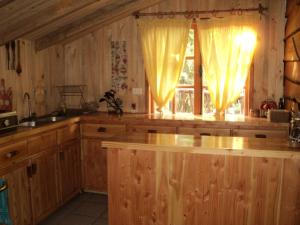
(281, 103)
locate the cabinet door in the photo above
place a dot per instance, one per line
(19, 194)
(70, 169)
(94, 166)
(44, 184)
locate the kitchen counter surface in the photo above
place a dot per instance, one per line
(24, 132)
(212, 145)
(188, 120)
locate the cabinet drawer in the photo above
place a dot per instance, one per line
(102, 130)
(68, 133)
(12, 152)
(260, 133)
(41, 142)
(152, 129)
(204, 131)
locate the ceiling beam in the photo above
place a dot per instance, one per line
(5, 2)
(49, 18)
(91, 23)
(68, 18)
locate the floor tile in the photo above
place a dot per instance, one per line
(92, 197)
(100, 222)
(72, 219)
(91, 209)
(85, 209)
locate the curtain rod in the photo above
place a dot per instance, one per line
(192, 14)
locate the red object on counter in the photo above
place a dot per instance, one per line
(268, 104)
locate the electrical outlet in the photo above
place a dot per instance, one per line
(137, 91)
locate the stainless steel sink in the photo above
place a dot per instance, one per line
(42, 121)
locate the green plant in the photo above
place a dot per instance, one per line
(114, 104)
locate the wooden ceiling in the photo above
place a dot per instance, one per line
(50, 22)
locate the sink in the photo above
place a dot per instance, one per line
(42, 121)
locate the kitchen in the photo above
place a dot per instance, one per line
(66, 56)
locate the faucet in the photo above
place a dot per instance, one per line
(26, 95)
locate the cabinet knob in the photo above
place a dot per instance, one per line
(205, 134)
(152, 131)
(11, 154)
(61, 156)
(101, 129)
(260, 136)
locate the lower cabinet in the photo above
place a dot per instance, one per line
(19, 193)
(44, 184)
(94, 166)
(69, 169)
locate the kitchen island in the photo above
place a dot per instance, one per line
(187, 180)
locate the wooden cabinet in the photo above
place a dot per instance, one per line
(70, 169)
(94, 166)
(17, 181)
(260, 133)
(102, 130)
(152, 129)
(204, 131)
(12, 152)
(44, 183)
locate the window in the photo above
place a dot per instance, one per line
(192, 96)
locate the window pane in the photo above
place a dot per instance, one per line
(207, 106)
(184, 100)
(236, 108)
(187, 75)
(190, 45)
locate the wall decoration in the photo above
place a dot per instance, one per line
(5, 97)
(119, 66)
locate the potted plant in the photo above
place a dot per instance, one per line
(114, 104)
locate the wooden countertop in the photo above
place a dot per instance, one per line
(157, 119)
(24, 132)
(238, 146)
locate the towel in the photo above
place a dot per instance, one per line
(4, 212)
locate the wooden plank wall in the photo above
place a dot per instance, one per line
(148, 187)
(48, 64)
(292, 53)
(88, 60)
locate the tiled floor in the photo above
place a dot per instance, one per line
(85, 209)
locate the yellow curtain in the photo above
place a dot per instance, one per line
(227, 47)
(164, 42)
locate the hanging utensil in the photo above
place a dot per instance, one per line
(13, 49)
(7, 47)
(19, 67)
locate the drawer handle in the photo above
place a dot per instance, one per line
(61, 156)
(34, 168)
(29, 171)
(101, 129)
(260, 136)
(3, 188)
(152, 131)
(11, 154)
(205, 134)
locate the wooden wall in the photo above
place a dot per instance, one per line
(292, 53)
(88, 60)
(47, 64)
